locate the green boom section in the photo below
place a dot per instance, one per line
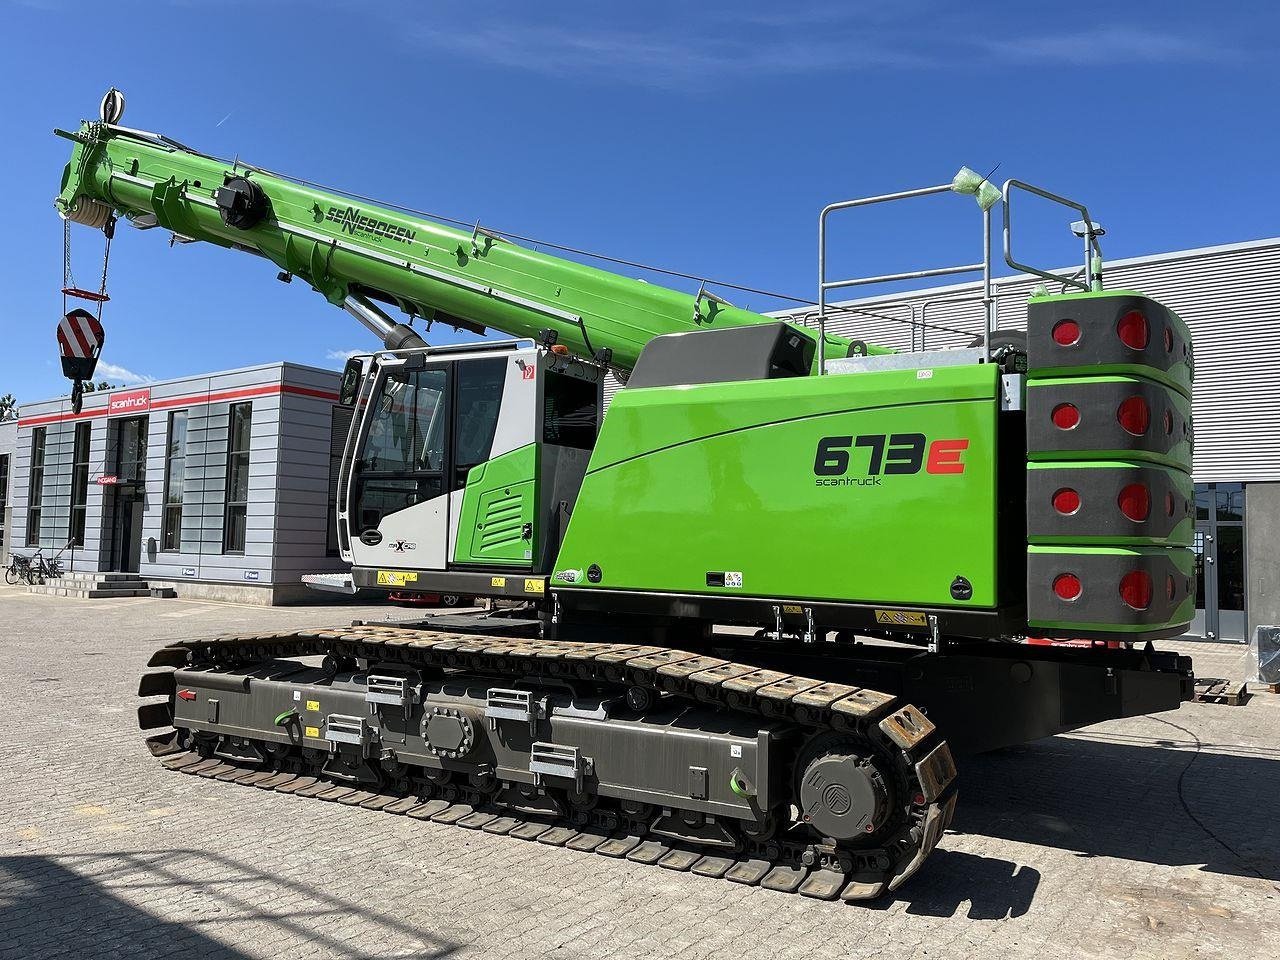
(692, 487)
(341, 246)
(497, 502)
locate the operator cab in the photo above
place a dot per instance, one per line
(462, 465)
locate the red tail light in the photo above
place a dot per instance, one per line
(1135, 502)
(1067, 586)
(1066, 333)
(1168, 504)
(1133, 330)
(1065, 416)
(1135, 589)
(1170, 588)
(1066, 501)
(1168, 423)
(1134, 415)
(1168, 340)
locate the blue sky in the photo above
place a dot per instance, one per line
(700, 136)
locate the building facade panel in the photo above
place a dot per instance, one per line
(8, 458)
(200, 515)
(304, 513)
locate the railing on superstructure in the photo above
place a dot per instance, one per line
(965, 182)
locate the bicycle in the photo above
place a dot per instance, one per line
(17, 569)
(45, 570)
(50, 569)
(35, 569)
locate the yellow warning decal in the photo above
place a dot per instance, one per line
(902, 618)
(396, 578)
(535, 586)
(313, 706)
(498, 581)
(311, 732)
(792, 608)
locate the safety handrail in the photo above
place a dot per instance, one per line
(1085, 228)
(984, 265)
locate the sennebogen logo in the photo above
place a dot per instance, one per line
(353, 221)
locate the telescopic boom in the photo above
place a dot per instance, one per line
(353, 251)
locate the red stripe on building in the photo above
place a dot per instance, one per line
(190, 400)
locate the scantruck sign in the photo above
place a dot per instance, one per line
(129, 401)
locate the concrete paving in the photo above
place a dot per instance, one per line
(1156, 837)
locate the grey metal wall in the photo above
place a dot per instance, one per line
(203, 487)
(287, 508)
(9, 448)
(55, 503)
(304, 503)
(1262, 562)
(55, 509)
(200, 555)
(1230, 298)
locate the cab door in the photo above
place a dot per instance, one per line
(399, 515)
(492, 510)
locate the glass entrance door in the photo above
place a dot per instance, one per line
(1219, 552)
(127, 500)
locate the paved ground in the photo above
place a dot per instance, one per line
(1156, 837)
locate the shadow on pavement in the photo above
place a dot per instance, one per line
(1154, 800)
(994, 889)
(95, 905)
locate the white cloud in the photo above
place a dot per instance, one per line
(110, 371)
(676, 59)
(1112, 45)
(818, 37)
(343, 355)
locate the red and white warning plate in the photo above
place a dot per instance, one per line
(79, 334)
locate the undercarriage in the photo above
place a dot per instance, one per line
(834, 783)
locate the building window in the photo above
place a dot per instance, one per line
(35, 489)
(233, 530)
(131, 451)
(80, 482)
(175, 465)
(4, 490)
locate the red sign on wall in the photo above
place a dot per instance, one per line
(129, 401)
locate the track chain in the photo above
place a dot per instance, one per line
(893, 730)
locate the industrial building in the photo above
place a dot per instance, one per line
(220, 485)
(216, 486)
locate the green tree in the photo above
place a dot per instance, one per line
(8, 407)
(90, 386)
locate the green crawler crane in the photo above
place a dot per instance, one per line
(737, 616)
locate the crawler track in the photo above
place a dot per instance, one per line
(794, 859)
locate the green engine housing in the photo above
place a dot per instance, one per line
(888, 497)
(835, 488)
